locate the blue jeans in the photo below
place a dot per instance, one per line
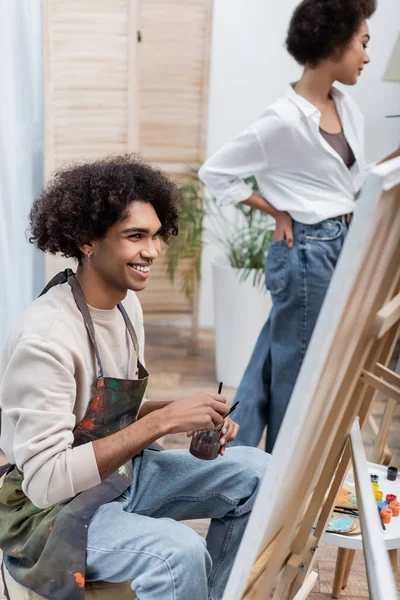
(298, 279)
(138, 537)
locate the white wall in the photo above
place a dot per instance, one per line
(250, 68)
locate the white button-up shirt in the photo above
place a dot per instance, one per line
(295, 167)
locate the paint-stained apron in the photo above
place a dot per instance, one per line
(45, 549)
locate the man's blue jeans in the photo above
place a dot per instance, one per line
(298, 279)
(138, 536)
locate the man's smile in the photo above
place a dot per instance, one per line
(142, 269)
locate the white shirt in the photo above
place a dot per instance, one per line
(295, 167)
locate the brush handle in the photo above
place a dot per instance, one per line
(232, 409)
(229, 413)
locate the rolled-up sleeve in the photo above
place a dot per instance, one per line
(223, 174)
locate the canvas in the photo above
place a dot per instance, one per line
(345, 365)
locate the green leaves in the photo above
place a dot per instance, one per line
(186, 248)
(243, 239)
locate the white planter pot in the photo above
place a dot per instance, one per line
(240, 312)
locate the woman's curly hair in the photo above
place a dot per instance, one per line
(83, 201)
(321, 29)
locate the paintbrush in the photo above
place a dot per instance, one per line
(228, 413)
(346, 511)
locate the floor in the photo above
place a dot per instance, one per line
(176, 372)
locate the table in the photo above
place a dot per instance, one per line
(348, 544)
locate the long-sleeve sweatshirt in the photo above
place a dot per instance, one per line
(48, 376)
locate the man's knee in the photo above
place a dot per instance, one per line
(188, 548)
(249, 464)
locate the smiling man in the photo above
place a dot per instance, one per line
(85, 498)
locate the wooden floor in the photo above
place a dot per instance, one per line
(175, 373)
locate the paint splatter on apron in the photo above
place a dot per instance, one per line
(45, 549)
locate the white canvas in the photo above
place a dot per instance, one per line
(336, 338)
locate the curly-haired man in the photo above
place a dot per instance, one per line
(86, 496)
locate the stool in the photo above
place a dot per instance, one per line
(96, 590)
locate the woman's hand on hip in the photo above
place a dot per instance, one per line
(283, 228)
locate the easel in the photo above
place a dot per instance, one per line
(345, 366)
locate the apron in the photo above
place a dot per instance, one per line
(45, 549)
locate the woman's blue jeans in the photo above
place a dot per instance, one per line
(298, 279)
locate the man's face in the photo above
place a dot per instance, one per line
(123, 258)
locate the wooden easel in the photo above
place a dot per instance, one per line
(345, 366)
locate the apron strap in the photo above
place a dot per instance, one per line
(69, 276)
(4, 468)
(83, 307)
(131, 329)
(58, 279)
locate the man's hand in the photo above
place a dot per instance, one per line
(283, 228)
(200, 411)
(228, 433)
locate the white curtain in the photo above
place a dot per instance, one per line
(21, 154)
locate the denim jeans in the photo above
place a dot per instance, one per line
(298, 279)
(138, 537)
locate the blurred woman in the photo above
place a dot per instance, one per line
(307, 154)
